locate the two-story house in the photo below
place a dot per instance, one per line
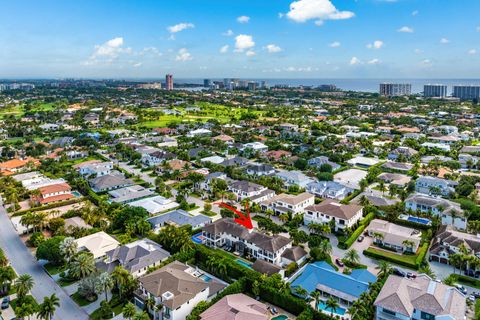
(433, 185)
(284, 203)
(343, 215)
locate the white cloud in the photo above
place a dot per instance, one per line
(374, 61)
(418, 51)
(108, 51)
(377, 44)
(224, 49)
(406, 29)
(414, 13)
(272, 48)
(183, 55)
(444, 41)
(426, 63)
(243, 42)
(335, 44)
(180, 27)
(243, 19)
(250, 53)
(355, 61)
(138, 64)
(472, 51)
(280, 15)
(228, 33)
(318, 10)
(149, 50)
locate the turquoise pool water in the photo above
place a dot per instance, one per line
(322, 306)
(76, 194)
(280, 317)
(243, 263)
(205, 278)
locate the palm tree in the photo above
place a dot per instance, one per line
(105, 283)
(47, 308)
(301, 291)
(150, 304)
(352, 256)
(3, 258)
(7, 275)
(316, 295)
(364, 201)
(120, 276)
(25, 310)
(378, 237)
(283, 217)
(384, 267)
(82, 265)
(325, 247)
(68, 248)
(409, 244)
(333, 305)
(141, 316)
(23, 285)
(129, 311)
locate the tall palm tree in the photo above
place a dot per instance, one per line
(409, 244)
(384, 267)
(23, 285)
(68, 248)
(7, 275)
(120, 276)
(3, 258)
(316, 295)
(333, 305)
(129, 311)
(47, 308)
(25, 310)
(105, 283)
(325, 246)
(352, 256)
(82, 265)
(141, 316)
(301, 291)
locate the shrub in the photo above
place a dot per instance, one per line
(50, 250)
(290, 269)
(36, 239)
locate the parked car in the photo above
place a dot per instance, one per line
(471, 298)
(461, 288)
(399, 272)
(360, 239)
(339, 262)
(476, 294)
(411, 275)
(5, 303)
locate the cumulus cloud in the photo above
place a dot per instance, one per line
(426, 63)
(377, 44)
(183, 55)
(406, 29)
(180, 27)
(472, 51)
(374, 61)
(414, 13)
(272, 48)
(444, 41)
(138, 64)
(243, 19)
(418, 51)
(228, 33)
(108, 51)
(355, 61)
(318, 10)
(224, 49)
(335, 44)
(243, 42)
(250, 53)
(149, 51)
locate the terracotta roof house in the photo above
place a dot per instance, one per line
(54, 193)
(236, 307)
(419, 298)
(16, 165)
(224, 138)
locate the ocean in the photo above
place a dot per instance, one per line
(364, 85)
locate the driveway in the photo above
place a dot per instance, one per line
(24, 263)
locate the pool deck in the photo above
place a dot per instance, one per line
(346, 316)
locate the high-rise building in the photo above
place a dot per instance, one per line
(207, 83)
(252, 86)
(395, 89)
(169, 82)
(435, 91)
(466, 92)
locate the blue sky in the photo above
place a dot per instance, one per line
(257, 39)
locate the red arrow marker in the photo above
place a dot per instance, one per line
(243, 220)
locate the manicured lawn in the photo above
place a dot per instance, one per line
(209, 213)
(117, 309)
(52, 269)
(402, 259)
(81, 301)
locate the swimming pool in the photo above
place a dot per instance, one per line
(198, 238)
(205, 278)
(280, 317)
(76, 194)
(338, 310)
(244, 263)
(418, 220)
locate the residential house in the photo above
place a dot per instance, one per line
(235, 161)
(135, 257)
(248, 190)
(254, 146)
(178, 288)
(98, 244)
(393, 236)
(178, 218)
(397, 166)
(284, 203)
(156, 157)
(450, 212)
(397, 179)
(129, 194)
(111, 181)
(467, 160)
(402, 152)
(343, 215)
(449, 241)
(94, 168)
(17, 165)
(433, 185)
(319, 161)
(236, 307)
(224, 138)
(294, 178)
(227, 233)
(403, 298)
(329, 189)
(53, 193)
(363, 162)
(155, 204)
(260, 170)
(199, 133)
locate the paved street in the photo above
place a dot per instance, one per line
(24, 263)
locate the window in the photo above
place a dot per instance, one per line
(388, 311)
(426, 316)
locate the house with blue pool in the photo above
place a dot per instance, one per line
(322, 277)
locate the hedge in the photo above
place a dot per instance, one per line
(406, 261)
(363, 224)
(411, 224)
(421, 254)
(286, 301)
(49, 206)
(472, 282)
(310, 314)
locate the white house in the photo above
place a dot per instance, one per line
(284, 203)
(255, 146)
(343, 215)
(291, 178)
